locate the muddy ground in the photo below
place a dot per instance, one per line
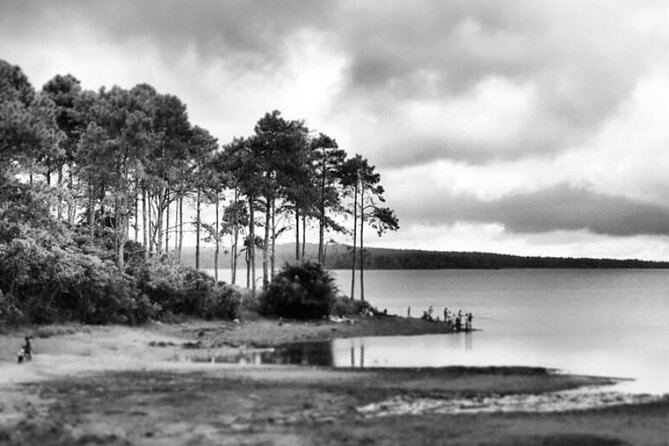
(121, 385)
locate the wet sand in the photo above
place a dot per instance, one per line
(123, 385)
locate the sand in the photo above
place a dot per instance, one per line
(130, 385)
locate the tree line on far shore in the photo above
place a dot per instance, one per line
(105, 175)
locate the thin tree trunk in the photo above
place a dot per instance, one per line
(60, 193)
(137, 210)
(233, 258)
(304, 234)
(158, 236)
(167, 221)
(355, 238)
(150, 225)
(321, 223)
(297, 233)
(252, 247)
(266, 244)
(145, 234)
(197, 229)
(218, 242)
(181, 225)
(362, 243)
(178, 229)
(71, 205)
(273, 238)
(91, 210)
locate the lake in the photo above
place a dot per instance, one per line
(595, 322)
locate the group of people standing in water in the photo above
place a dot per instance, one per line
(459, 321)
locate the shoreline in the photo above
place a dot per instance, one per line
(126, 385)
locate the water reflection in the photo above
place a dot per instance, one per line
(363, 352)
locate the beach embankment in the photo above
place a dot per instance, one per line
(129, 385)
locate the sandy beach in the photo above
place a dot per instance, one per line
(133, 385)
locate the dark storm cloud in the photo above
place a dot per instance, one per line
(562, 208)
(249, 31)
(581, 58)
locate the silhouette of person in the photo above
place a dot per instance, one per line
(28, 349)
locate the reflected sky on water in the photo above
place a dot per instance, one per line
(595, 322)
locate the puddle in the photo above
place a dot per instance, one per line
(572, 400)
(303, 353)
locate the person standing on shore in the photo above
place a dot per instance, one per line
(28, 349)
(409, 311)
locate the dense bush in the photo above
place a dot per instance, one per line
(345, 306)
(182, 290)
(48, 276)
(299, 291)
(56, 275)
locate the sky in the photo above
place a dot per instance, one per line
(528, 127)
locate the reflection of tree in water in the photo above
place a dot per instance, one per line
(358, 356)
(302, 353)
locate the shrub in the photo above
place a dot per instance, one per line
(345, 306)
(175, 289)
(299, 291)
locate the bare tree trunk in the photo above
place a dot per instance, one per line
(197, 229)
(167, 221)
(145, 235)
(218, 242)
(266, 244)
(252, 247)
(297, 233)
(235, 242)
(273, 238)
(355, 238)
(304, 234)
(178, 229)
(91, 210)
(181, 225)
(321, 222)
(71, 205)
(60, 193)
(137, 210)
(150, 225)
(362, 244)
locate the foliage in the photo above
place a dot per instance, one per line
(182, 290)
(345, 306)
(49, 276)
(299, 291)
(76, 166)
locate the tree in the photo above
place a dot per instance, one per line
(381, 218)
(66, 94)
(279, 146)
(246, 172)
(202, 147)
(327, 161)
(28, 130)
(350, 179)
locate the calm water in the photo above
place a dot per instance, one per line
(598, 322)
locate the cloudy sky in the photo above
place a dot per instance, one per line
(523, 126)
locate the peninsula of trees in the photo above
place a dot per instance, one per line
(95, 188)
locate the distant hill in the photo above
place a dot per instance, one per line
(339, 257)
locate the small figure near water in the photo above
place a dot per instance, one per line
(26, 351)
(409, 311)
